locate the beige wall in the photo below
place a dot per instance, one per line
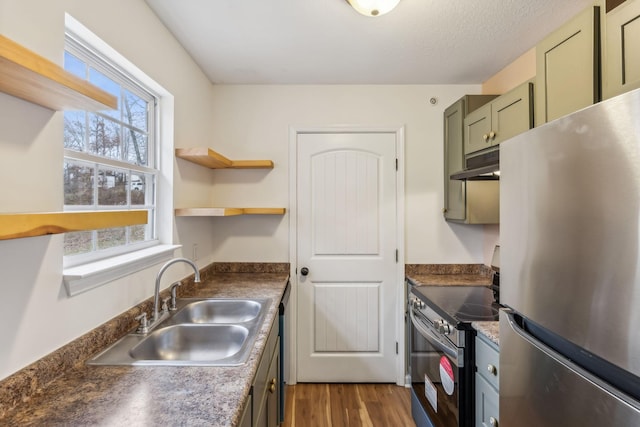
(254, 121)
(519, 71)
(37, 316)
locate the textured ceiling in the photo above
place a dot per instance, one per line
(327, 42)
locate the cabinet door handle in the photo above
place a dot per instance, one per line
(493, 422)
(492, 135)
(272, 387)
(485, 137)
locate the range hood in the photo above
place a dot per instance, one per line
(483, 166)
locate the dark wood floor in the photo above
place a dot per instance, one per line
(348, 405)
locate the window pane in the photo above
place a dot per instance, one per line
(108, 85)
(112, 187)
(74, 130)
(139, 186)
(136, 147)
(75, 65)
(78, 184)
(110, 237)
(104, 137)
(134, 111)
(78, 242)
(137, 233)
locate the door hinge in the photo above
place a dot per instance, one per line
(396, 347)
(397, 256)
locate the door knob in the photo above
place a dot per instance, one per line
(304, 271)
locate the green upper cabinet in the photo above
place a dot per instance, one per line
(455, 190)
(504, 117)
(622, 49)
(477, 130)
(568, 67)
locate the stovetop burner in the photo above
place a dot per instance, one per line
(459, 304)
(471, 312)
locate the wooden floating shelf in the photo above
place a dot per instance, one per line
(31, 77)
(15, 226)
(229, 211)
(208, 158)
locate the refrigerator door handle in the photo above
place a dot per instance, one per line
(559, 358)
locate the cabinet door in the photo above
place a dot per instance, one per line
(262, 381)
(487, 361)
(245, 419)
(622, 53)
(568, 67)
(273, 391)
(512, 113)
(487, 404)
(477, 126)
(454, 190)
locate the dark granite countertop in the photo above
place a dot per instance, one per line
(158, 396)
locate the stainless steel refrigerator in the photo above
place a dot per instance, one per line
(570, 270)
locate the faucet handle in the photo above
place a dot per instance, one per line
(143, 328)
(165, 307)
(174, 297)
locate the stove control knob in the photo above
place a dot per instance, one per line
(443, 327)
(418, 304)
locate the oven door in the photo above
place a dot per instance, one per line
(436, 370)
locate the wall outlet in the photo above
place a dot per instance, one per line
(194, 255)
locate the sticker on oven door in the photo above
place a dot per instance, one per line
(430, 393)
(446, 375)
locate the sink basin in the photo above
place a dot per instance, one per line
(203, 332)
(219, 311)
(197, 343)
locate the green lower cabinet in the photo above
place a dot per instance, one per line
(245, 419)
(487, 382)
(273, 391)
(266, 385)
(487, 401)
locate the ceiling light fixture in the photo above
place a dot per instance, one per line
(373, 7)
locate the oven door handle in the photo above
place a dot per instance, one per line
(432, 338)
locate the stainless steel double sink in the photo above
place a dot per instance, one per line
(201, 332)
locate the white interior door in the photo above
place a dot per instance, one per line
(347, 240)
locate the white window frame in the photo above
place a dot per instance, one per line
(94, 272)
(85, 53)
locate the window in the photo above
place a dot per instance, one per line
(110, 158)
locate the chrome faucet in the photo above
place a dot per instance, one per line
(156, 296)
